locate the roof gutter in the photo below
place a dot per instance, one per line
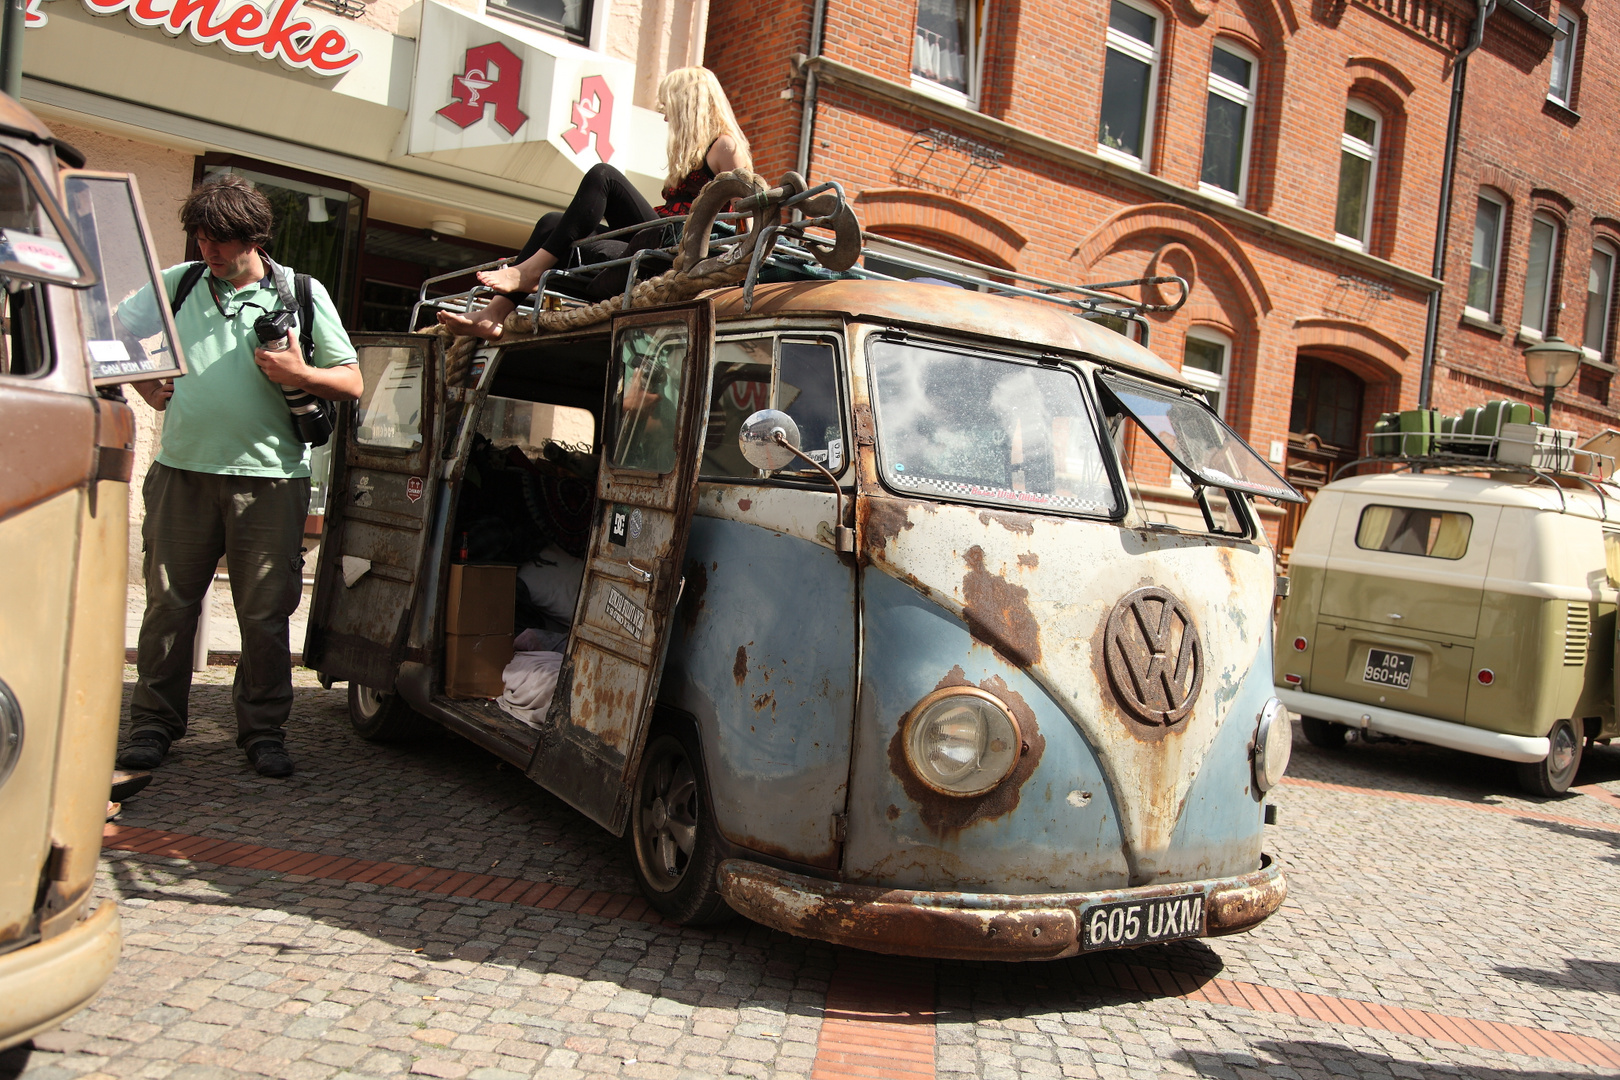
(1442, 225)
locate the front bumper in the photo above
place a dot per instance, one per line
(970, 926)
(44, 983)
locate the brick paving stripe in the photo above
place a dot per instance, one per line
(879, 1017)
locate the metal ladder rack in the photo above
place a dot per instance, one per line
(790, 247)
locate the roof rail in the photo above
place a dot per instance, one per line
(796, 243)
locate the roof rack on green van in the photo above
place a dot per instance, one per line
(793, 221)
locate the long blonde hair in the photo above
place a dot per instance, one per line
(698, 113)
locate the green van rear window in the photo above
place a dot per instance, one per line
(1408, 530)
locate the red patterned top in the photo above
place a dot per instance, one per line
(678, 199)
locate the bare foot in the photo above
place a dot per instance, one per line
(507, 279)
(479, 324)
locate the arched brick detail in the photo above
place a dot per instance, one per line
(1166, 222)
(906, 214)
(1374, 356)
(1370, 68)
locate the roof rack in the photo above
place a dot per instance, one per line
(799, 245)
(1470, 462)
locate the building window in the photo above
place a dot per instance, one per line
(1228, 120)
(1599, 300)
(1538, 275)
(1484, 264)
(1203, 363)
(1358, 168)
(946, 54)
(1130, 75)
(1561, 86)
(569, 18)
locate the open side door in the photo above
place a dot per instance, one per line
(646, 491)
(379, 514)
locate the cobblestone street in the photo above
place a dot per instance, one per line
(426, 910)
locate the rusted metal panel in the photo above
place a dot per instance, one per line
(764, 657)
(971, 926)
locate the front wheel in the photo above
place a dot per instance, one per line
(1324, 733)
(383, 718)
(672, 835)
(1554, 774)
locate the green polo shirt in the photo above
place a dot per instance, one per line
(225, 416)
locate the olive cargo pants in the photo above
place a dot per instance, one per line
(192, 519)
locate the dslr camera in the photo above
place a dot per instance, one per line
(274, 332)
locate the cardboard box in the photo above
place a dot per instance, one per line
(473, 664)
(482, 600)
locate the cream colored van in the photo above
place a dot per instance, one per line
(72, 245)
(1468, 611)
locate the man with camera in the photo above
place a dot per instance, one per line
(231, 478)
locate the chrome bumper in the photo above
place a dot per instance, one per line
(1422, 729)
(970, 926)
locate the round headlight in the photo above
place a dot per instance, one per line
(961, 741)
(11, 732)
(1273, 744)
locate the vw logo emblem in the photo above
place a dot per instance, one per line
(1154, 659)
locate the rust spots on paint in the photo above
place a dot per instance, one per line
(947, 815)
(1013, 523)
(881, 520)
(745, 504)
(739, 669)
(1028, 561)
(997, 613)
(766, 700)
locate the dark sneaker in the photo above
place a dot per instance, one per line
(125, 784)
(145, 750)
(270, 759)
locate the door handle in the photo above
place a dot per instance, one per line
(645, 575)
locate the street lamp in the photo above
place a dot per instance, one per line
(1550, 365)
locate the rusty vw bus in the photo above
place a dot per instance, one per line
(868, 638)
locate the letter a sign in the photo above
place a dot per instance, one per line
(593, 116)
(490, 75)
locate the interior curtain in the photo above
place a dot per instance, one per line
(1373, 533)
(1452, 542)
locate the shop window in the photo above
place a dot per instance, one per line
(948, 50)
(1485, 262)
(568, 18)
(1358, 172)
(1539, 274)
(398, 260)
(1561, 84)
(1130, 77)
(1228, 123)
(1204, 363)
(1599, 301)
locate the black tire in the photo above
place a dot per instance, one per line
(1553, 775)
(674, 844)
(1324, 733)
(384, 718)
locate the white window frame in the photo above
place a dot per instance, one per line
(1137, 50)
(1349, 144)
(1241, 95)
(1209, 380)
(1489, 196)
(975, 60)
(1526, 327)
(1601, 355)
(1564, 95)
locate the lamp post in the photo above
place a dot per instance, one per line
(1551, 364)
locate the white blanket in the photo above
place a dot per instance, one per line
(530, 679)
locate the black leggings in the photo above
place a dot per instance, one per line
(603, 196)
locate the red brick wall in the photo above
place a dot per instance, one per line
(1541, 158)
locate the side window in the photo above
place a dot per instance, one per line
(805, 387)
(741, 387)
(389, 416)
(25, 344)
(807, 390)
(1130, 78)
(1486, 260)
(1435, 534)
(1358, 173)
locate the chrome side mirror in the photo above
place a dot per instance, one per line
(758, 443)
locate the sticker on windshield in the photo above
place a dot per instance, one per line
(37, 253)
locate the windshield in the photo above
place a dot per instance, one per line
(1196, 439)
(957, 425)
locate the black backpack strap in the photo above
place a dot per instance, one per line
(188, 281)
(305, 297)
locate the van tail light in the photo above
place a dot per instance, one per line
(1293, 680)
(1300, 644)
(1486, 676)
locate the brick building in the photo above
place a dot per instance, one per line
(1535, 229)
(1284, 158)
